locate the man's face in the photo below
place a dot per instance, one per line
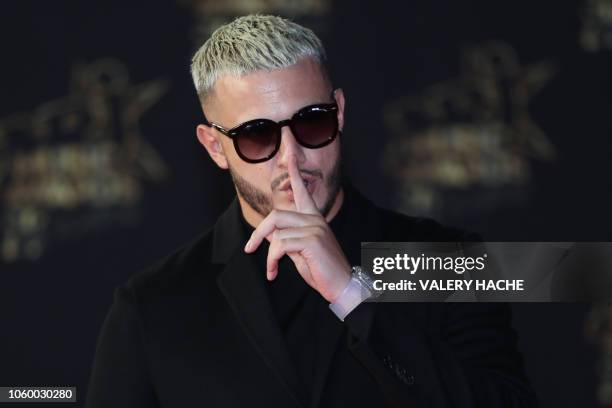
(274, 95)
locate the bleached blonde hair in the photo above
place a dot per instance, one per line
(253, 43)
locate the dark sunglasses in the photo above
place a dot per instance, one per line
(258, 140)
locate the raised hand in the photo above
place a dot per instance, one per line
(306, 238)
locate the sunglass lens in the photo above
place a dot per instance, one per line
(315, 127)
(257, 140)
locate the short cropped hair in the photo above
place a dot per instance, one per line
(253, 43)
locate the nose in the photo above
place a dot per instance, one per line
(288, 147)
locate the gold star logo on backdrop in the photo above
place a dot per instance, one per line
(596, 33)
(473, 131)
(67, 164)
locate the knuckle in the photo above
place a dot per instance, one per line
(320, 230)
(285, 244)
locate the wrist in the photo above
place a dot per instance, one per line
(340, 288)
(354, 293)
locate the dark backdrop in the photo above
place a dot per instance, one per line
(62, 254)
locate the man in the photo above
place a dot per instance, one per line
(242, 316)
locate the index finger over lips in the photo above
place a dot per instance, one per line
(303, 200)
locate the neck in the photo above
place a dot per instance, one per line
(254, 218)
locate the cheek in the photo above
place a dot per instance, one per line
(261, 179)
(328, 158)
(258, 175)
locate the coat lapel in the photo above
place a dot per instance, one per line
(242, 285)
(329, 335)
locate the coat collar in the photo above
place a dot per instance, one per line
(228, 234)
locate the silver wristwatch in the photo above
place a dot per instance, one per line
(365, 279)
(359, 288)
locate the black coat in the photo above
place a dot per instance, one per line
(197, 330)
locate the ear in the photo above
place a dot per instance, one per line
(339, 96)
(208, 139)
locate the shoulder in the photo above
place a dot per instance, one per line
(193, 268)
(179, 272)
(395, 226)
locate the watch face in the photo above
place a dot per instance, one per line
(366, 280)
